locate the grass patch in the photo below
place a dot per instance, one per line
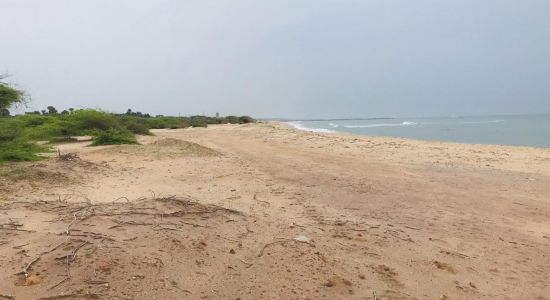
(15, 151)
(13, 177)
(18, 174)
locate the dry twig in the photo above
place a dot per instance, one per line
(67, 156)
(30, 264)
(69, 259)
(72, 296)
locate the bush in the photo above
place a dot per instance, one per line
(35, 120)
(114, 136)
(136, 125)
(246, 120)
(198, 123)
(88, 119)
(163, 122)
(138, 128)
(10, 97)
(13, 147)
(51, 129)
(10, 129)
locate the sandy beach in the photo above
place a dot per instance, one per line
(262, 211)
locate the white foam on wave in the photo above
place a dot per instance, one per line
(483, 122)
(333, 125)
(300, 126)
(406, 123)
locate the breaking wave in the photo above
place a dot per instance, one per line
(483, 122)
(300, 126)
(406, 123)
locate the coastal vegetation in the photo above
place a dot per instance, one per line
(19, 134)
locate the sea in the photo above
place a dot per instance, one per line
(517, 130)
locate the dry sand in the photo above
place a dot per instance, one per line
(265, 212)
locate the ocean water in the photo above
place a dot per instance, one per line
(530, 130)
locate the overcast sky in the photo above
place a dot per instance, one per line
(281, 58)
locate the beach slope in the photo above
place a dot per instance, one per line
(261, 211)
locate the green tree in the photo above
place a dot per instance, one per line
(9, 97)
(51, 110)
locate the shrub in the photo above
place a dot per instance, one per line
(198, 123)
(46, 131)
(13, 147)
(138, 127)
(89, 119)
(10, 96)
(246, 120)
(182, 124)
(10, 129)
(114, 136)
(231, 120)
(163, 122)
(35, 120)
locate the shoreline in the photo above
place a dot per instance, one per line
(487, 156)
(335, 128)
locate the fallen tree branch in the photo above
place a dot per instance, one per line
(98, 282)
(69, 259)
(269, 244)
(72, 296)
(283, 240)
(29, 265)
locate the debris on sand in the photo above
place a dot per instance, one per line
(302, 239)
(67, 156)
(94, 243)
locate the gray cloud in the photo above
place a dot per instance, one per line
(305, 58)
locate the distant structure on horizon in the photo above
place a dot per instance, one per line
(217, 115)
